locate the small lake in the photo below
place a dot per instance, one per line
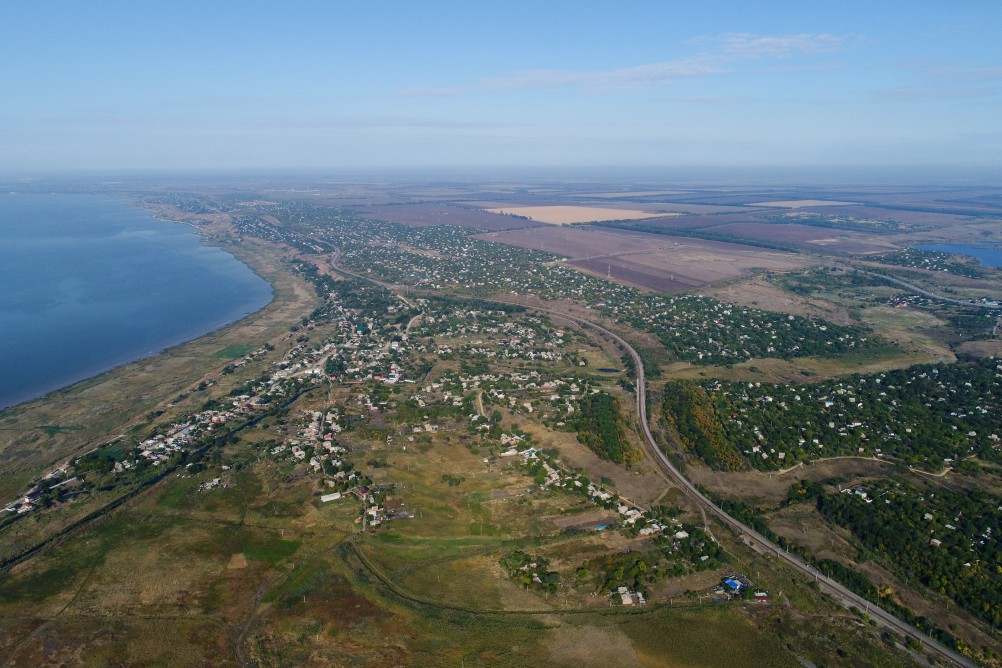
(989, 254)
(88, 283)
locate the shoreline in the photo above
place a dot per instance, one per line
(169, 344)
(103, 407)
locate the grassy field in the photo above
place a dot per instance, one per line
(425, 591)
(234, 351)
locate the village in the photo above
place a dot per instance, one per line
(931, 416)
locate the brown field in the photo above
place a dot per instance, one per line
(655, 205)
(801, 203)
(581, 243)
(642, 484)
(840, 245)
(801, 523)
(767, 490)
(626, 270)
(762, 294)
(565, 215)
(698, 209)
(696, 220)
(806, 235)
(651, 261)
(635, 193)
(921, 218)
(427, 215)
(991, 348)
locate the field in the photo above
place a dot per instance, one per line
(632, 193)
(805, 237)
(565, 215)
(257, 571)
(760, 293)
(424, 215)
(801, 203)
(678, 208)
(654, 262)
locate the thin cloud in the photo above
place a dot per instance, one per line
(969, 74)
(745, 46)
(944, 92)
(947, 83)
(258, 124)
(727, 50)
(625, 78)
(442, 91)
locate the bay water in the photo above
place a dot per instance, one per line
(988, 253)
(89, 282)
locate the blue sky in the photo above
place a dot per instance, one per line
(353, 85)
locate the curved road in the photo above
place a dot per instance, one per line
(752, 537)
(826, 584)
(926, 293)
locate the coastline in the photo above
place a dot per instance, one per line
(161, 347)
(101, 407)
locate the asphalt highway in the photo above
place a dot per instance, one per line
(750, 536)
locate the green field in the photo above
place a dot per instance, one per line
(233, 352)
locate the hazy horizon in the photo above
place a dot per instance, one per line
(117, 87)
(848, 176)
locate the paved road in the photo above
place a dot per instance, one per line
(752, 537)
(826, 584)
(926, 293)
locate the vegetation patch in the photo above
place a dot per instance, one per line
(601, 426)
(269, 549)
(944, 539)
(233, 352)
(960, 265)
(691, 416)
(928, 415)
(53, 429)
(530, 571)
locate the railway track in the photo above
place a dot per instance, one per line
(751, 537)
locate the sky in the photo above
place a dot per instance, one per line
(382, 84)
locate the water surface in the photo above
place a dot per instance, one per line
(988, 254)
(89, 282)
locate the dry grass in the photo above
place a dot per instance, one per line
(802, 524)
(237, 561)
(593, 647)
(992, 348)
(760, 293)
(769, 489)
(912, 329)
(641, 484)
